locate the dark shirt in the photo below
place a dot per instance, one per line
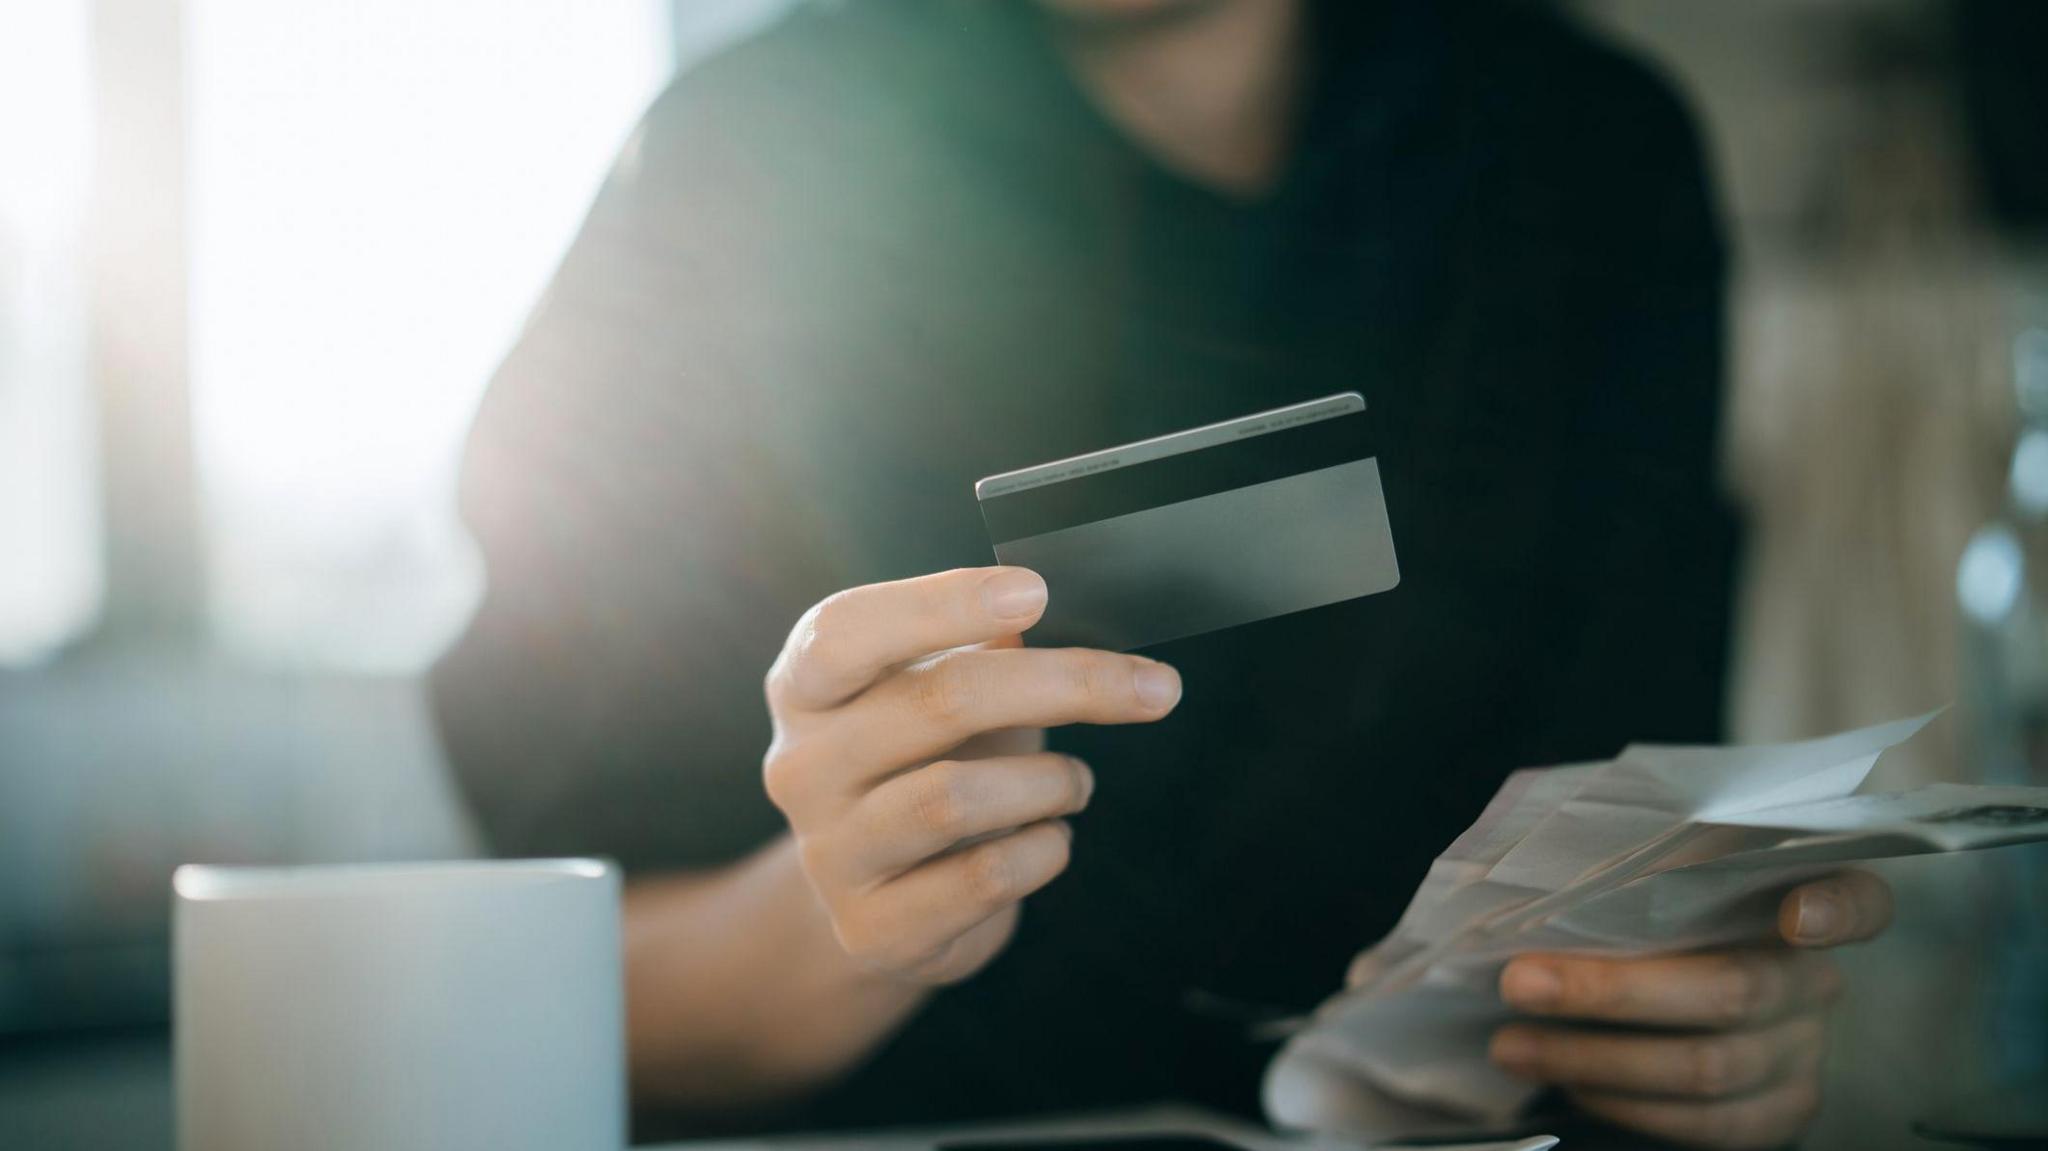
(887, 248)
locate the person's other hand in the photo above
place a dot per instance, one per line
(1717, 1049)
(918, 850)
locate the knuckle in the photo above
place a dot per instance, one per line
(955, 598)
(811, 645)
(1589, 987)
(1102, 680)
(937, 799)
(989, 875)
(1086, 678)
(1740, 991)
(1710, 1068)
(813, 856)
(781, 777)
(946, 688)
(828, 620)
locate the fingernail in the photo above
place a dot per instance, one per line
(1158, 686)
(1013, 594)
(1087, 782)
(1820, 916)
(1513, 1048)
(1531, 986)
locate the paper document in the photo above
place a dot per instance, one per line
(1660, 849)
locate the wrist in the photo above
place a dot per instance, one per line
(738, 992)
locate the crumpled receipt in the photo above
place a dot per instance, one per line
(1661, 849)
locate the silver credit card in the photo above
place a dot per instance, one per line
(1199, 530)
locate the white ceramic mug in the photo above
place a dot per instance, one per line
(395, 1006)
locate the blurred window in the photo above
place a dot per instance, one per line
(376, 191)
(379, 190)
(50, 579)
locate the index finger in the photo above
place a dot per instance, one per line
(1712, 989)
(849, 639)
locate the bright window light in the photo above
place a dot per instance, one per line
(379, 191)
(50, 578)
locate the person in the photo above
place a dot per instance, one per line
(884, 249)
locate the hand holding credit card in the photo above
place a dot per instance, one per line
(1181, 534)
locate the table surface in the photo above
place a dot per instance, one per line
(112, 1091)
(1163, 1119)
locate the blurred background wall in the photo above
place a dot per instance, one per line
(258, 260)
(1887, 223)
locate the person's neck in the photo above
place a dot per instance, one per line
(1211, 92)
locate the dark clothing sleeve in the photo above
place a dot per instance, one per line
(1650, 539)
(606, 697)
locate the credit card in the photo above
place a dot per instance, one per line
(1200, 530)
